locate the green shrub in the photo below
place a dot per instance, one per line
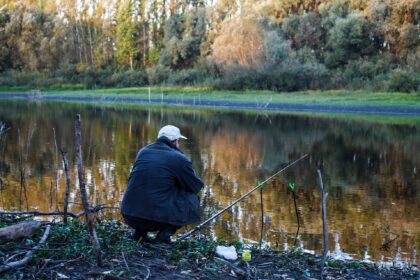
(188, 77)
(361, 73)
(240, 80)
(67, 71)
(403, 81)
(129, 78)
(158, 74)
(293, 76)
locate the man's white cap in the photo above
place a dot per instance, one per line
(171, 132)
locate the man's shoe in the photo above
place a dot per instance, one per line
(139, 236)
(163, 240)
(147, 239)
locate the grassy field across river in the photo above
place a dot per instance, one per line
(329, 98)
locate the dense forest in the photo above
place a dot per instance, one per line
(225, 44)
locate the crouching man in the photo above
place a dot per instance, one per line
(162, 191)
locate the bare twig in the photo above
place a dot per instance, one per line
(56, 169)
(125, 262)
(61, 263)
(22, 177)
(233, 267)
(268, 102)
(67, 193)
(148, 271)
(3, 136)
(15, 256)
(23, 167)
(28, 255)
(51, 194)
(324, 221)
(89, 220)
(297, 216)
(386, 245)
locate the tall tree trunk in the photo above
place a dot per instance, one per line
(90, 44)
(78, 43)
(89, 220)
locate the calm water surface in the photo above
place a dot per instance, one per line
(371, 172)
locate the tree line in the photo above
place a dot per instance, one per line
(225, 44)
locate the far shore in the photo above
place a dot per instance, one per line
(334, 102)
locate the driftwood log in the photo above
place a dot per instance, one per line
(28, 255)
(18, 231)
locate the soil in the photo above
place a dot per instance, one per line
(190, 260)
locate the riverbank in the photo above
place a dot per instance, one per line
(342, 102)
(67, 254)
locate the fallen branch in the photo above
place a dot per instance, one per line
(56, 213)
(29, 254)
(59, 263)
(102, 275)
(18, 231)
(235, 269)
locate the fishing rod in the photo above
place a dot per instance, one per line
(260, 185)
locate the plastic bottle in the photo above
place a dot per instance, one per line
(246, 255)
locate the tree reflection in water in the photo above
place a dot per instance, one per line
(369, 169)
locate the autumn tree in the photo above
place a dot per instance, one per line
(126, 35)
(239, 44)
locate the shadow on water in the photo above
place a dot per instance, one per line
(370, 171)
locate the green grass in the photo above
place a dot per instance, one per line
(340, 98)
(113, 97)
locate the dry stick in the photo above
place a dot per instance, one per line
(89, 221)
(324, 221)
(125, 262)
(297, 216)
(28, 255)
(51, 194)
(233, 267)
(3, 136)
(22, 174)
(67, 193)
(20, 171)
(56, 170)
(28, 144)
(262, 216)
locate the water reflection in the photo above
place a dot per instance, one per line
(369, 170)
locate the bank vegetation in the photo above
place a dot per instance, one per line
(223, 44)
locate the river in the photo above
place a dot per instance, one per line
(370, 171)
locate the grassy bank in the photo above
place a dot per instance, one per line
(310, 98)
(67, 253)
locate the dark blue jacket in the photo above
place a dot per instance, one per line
(163, 186)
